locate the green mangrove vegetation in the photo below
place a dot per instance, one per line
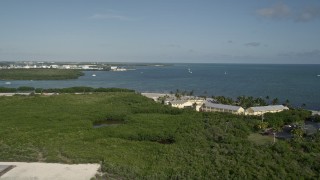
(151, 141)
(77, 89)
(39, 74)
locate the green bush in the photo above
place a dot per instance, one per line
(287, 117)
(317, 118)
(7, 90)
(25, 88)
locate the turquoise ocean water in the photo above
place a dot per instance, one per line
(298, 83)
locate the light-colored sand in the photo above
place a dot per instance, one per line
(12, 94)
(52, 171)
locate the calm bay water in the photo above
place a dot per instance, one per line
(298, 83)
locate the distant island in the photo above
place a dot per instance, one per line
(39, 74)
(59, 71)
(106, 66)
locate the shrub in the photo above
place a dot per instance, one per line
(7, 90)
(25, 88)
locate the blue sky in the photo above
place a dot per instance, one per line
(206, 31)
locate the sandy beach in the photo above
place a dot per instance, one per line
(52, 171)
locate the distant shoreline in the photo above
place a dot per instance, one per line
(298, 83)
(39, 74)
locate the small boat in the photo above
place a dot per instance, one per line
(7, 82)
(225, 73)
(94, 75)
(318, 75)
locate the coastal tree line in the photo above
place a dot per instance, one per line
(79, 89)
(249, 101)
(243, 101)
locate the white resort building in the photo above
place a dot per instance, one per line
(265, 109)
(181, 104)
(154, 96)
(213, 107)
(210, 105)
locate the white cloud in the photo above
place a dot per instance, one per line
(191, 51)
(109, 16)
(305, 54)
(277, 11)
(174, 45)
(308, 14)
(252, 44)
(282, 11)
(313, 53)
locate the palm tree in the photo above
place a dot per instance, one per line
(287, 102)
(191, 92)
(240, 100)
(297, 132)
(194, 106)
(260, 102)
(178, 96)
(275, 101)
(250, 101)
(267, 99)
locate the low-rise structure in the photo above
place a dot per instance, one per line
(214, 107)
(172, 100)
(112, 68)
(265, 109)
(181, 104)
(197, 103)
(315, 113)
(211, 105)
(154, 96)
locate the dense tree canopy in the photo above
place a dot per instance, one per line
(152, 141)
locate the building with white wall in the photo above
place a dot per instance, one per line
(214, 107)
(259, 110)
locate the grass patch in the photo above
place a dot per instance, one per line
(260, 139)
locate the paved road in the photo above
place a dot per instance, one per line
(4, 169)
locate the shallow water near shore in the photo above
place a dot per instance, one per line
(300, 84)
